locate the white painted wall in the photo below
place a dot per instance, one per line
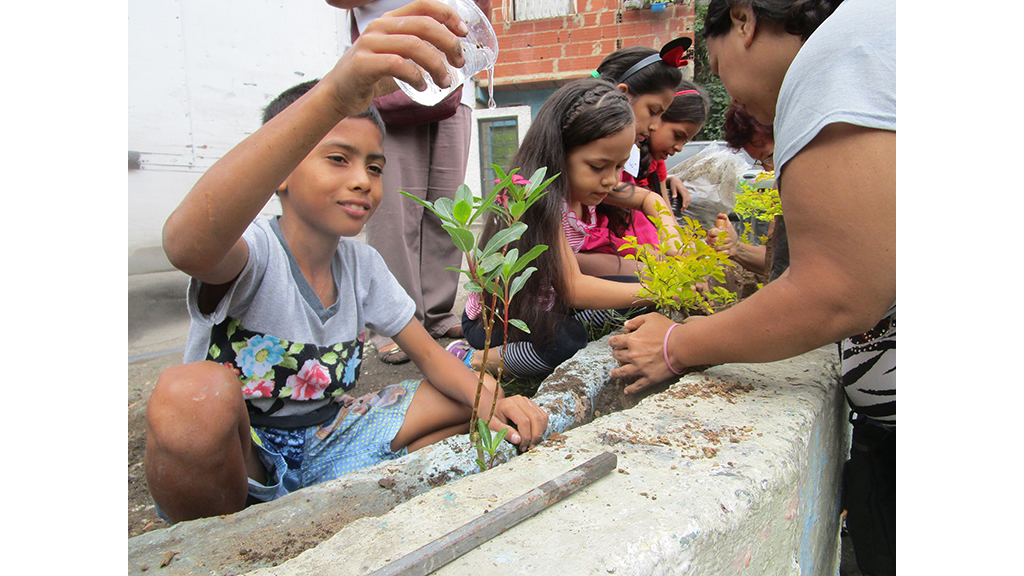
(199, 75)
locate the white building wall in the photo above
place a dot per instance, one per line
(200, 74)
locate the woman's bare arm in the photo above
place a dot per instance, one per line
(840, 205)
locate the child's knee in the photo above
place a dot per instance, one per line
(194, 402)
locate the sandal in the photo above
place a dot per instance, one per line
(463, 351)
(392, 356)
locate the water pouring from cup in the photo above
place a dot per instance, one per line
(479, 47)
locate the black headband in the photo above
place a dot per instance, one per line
(672, 54)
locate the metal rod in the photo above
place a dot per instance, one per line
(443, 550)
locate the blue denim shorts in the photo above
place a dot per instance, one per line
(360, 436)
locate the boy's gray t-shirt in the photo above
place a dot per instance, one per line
(291, 354)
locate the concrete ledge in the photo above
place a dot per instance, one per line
(735, 470)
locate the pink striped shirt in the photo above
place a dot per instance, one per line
(575, 231)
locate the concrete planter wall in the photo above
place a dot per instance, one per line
(733, 470)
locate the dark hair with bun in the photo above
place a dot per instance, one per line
(797, 17)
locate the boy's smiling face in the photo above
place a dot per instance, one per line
(337, 186)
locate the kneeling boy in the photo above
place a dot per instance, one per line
(279, 307)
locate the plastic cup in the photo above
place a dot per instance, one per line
(480, 47)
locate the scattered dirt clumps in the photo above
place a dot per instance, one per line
(710, 387)
(695, 439)
(441, 479)
(266, 551)
(554, 440)
(564, 382)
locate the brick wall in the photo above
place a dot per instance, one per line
(542, 53)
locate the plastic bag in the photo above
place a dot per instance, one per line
(713, 178)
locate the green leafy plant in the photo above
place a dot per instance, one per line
(758, 202)
(494, 269)
(675, 283)
(489, 443)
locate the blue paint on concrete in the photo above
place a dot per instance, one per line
(810, 496)
(450, 499)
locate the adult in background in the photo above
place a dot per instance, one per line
(825, 74)
(741, 131)
(427, 158)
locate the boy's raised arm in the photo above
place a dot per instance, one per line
(202, 237)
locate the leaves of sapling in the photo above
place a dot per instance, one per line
(444, 208)
(489, 269)
(462, 238)
(462, 211)
(530, 256)
(490, 263)
(509, 261)
(485, 432)
(464, 200)
(503, 237)
(444, 217)
(519, 281)
(539, 191)
(519, 324)
(497, 440)
(536, 179)
(463, 194)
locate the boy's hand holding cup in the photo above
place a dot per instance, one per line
(368, 68)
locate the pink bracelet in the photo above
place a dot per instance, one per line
(664, 348)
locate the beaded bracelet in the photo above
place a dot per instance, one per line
(664, 348)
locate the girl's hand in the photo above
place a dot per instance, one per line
(529, 421)
(654, 207)
(674, 186)
(411, 32)
(640, 352)
(726, 242)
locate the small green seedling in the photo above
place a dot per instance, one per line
(489, 442)
(494, 269)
